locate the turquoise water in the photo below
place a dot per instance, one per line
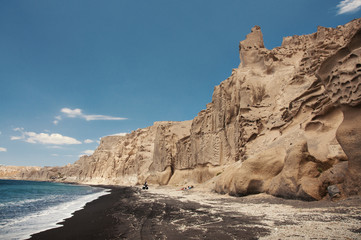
(27, 207)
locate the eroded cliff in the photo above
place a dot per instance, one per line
(285, 122)
(297, 96)
(144, 154)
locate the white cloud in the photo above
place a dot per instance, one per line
(86, 152)
(78, 113)
(54, 138)
(2, 149)
(72, 113)
(17, 137)
(21, 130)
(119, 134)
(348, 6)
(44, 138)
(89, 152)
(88, 141)
(55, 155)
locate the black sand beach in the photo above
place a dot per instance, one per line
(130, 213)
(124, 215)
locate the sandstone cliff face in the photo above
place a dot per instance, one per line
(144, 154)
(341, 76)
(285, 122)
(306, 84)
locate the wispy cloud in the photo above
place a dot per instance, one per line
(88, 141)
(57, 119)
(348, 6)
(78, 113)
(17, 137)
(44, 138)
(2, 149)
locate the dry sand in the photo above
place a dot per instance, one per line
(284, 219)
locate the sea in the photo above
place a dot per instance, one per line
(28, 207)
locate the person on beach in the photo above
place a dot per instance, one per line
(187, 188)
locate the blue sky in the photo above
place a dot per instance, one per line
(74, 71)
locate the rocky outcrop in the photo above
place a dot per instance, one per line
(252, 176)
(285, 122)
(16, 172)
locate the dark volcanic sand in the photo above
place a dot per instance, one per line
(131, 213)
(124, 214)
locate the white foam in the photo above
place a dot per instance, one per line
(22, 228)
(19, 203)
(27, 201)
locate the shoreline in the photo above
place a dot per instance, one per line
(169, 213)
(40, 208)
(93, 221)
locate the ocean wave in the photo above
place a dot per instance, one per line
(23, 227)
(23, 202)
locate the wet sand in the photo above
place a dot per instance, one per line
(168, 213)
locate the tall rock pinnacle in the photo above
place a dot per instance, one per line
(249, 48)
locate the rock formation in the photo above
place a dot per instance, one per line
(308, 86)
(285, 123)
(16, 172)
(144, 154)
